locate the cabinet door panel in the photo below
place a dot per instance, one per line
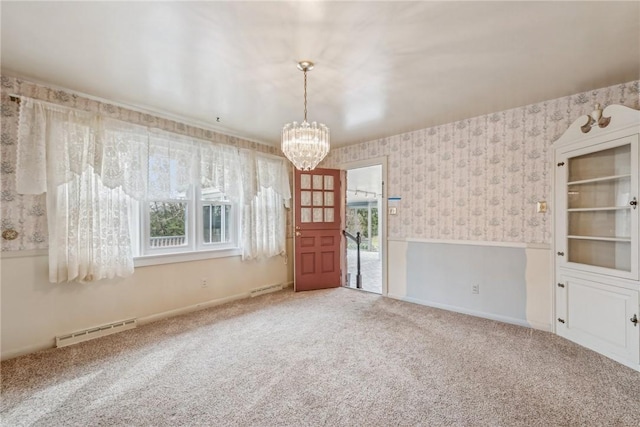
(599, 316)
(596, 220)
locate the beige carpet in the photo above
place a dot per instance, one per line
(327, 358)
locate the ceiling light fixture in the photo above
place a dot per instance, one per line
(304, 144)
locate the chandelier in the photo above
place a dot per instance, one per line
(305, 144)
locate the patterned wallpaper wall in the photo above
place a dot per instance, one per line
(26, 213)
(475, 179)
(480, 178)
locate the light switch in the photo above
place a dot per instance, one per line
(541, 207)
(393, 211)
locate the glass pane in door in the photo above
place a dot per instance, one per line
(611, 162)
(600, 194)
(615, 255)
(602, 223)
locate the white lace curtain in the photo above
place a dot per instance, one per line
(91, 166)
(264, 216)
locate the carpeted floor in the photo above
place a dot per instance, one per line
(325, 358)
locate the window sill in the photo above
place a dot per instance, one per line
(148, 260)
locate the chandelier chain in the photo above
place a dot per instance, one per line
(305, 95)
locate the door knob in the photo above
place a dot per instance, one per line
(298, 234)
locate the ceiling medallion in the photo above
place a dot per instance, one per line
(304, 144)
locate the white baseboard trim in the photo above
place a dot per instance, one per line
(190, 308)
(28, 349)
(462, 310)
(546, 327)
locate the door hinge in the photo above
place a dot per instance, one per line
(560, 320)
(560, 164)
(560, 253)
(561, 285)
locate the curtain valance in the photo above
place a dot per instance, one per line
(55, 143)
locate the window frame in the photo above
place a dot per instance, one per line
(195, 248)
(234, 231)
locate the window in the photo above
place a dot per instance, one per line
(196, 220)
(216, 217)
(180, 195)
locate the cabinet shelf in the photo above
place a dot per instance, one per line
(607, 208)
(599, 179)
(601, 239)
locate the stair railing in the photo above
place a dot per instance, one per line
(358, 240)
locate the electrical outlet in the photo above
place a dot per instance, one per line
(475, 289)
(203, 283)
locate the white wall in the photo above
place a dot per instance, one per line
(34, 311)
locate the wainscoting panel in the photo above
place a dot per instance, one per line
(449, 275)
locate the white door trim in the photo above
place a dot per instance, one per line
(382, 216)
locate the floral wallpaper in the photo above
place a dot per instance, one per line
(480, 178)
(26, 214)
(475, 179)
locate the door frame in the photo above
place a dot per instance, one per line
(382, 216)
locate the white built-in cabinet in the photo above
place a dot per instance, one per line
(597, 302)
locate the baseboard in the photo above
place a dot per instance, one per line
(28, 349)
(546, 327)
(190, 308)
(197, 307)
(462, 310)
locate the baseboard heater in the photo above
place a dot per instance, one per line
(266, 289)
(96, 332)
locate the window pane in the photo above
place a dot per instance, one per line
(317, 214)
(328, 182)
(305, 215)
(328, 198)
(206, 224)
(305, 198)
(216, 223)
(227, 223)
(167, 224)
(305, 181)
(317, 182)
(317, 198)
(328, 215)
(212, 226)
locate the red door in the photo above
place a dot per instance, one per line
(318, 229)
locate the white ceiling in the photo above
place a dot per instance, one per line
(364, 184)
(382, 68)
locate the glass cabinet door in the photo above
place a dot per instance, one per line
(601, 213)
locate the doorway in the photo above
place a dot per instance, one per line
(365, 224)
